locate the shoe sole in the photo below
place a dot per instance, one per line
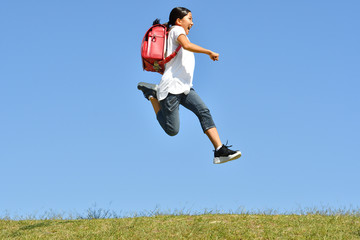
(219, 160)
(142, 85)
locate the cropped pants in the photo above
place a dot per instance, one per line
(168, 116)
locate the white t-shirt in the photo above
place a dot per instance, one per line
(179, 72)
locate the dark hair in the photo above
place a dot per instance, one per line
(178, 12)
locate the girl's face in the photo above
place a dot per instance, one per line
(186, 22)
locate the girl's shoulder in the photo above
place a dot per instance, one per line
(177, 30)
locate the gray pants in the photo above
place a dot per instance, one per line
(168, 116)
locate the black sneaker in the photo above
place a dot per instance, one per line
(224, 154)
(148, 89)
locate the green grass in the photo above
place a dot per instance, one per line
(206, 226)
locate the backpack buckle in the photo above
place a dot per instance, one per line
(156, 66)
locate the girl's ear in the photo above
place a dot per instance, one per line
(178, 21)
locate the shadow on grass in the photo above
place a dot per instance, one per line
(22, 231)
(32, 226)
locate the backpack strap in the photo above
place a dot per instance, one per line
(171, 56)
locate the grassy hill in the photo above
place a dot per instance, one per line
(207, 226)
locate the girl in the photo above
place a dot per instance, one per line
(175, 87)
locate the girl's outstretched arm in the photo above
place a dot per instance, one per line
(186, 44)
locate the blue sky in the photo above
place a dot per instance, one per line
(75, 131)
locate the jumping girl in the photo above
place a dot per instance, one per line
(175, 87)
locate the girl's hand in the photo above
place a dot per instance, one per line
(214, 56)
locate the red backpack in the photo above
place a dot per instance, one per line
(153, 49)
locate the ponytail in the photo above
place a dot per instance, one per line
(157, 21)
